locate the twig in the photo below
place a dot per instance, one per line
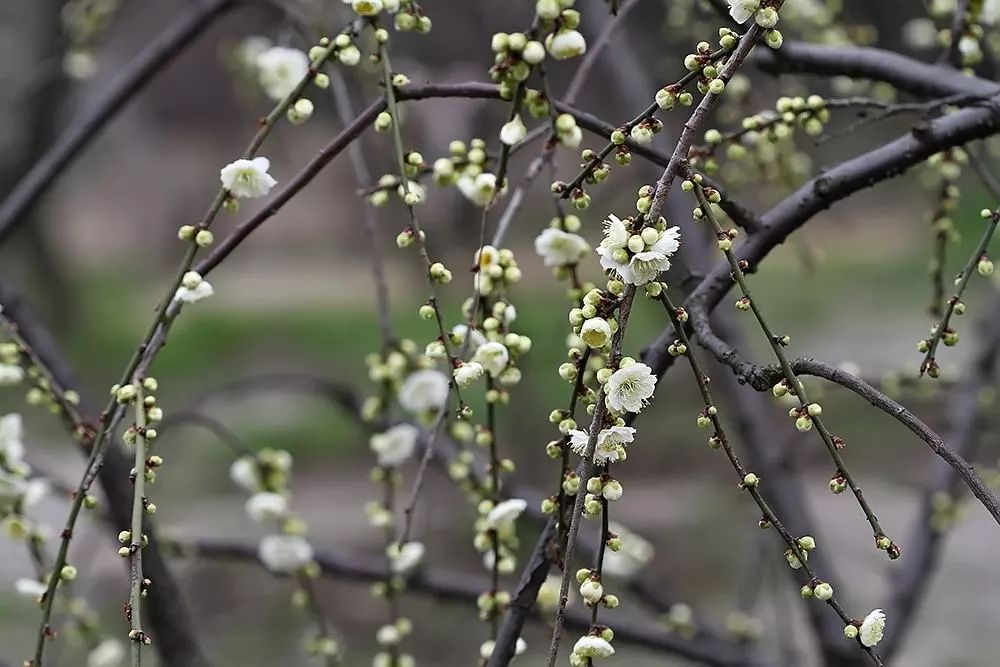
(84, 129)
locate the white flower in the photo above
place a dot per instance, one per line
(34, 491)
(417, 192)
(459, 332)
(350, 55)
(559, 248)
(30, 588)
(990, 13)
(648, 264)
(395, 445)
(467, 373)
(11, 445)
(596, 332)
(405, 558)
(109, 653)
(514, 131)
(486, 648)
(630, 388)
(872, 628)
(284, 553)
(493, 357)
(479, 190)
(367, 7)
(193, 295)
(591, 590)
(566, 44)
(280, 70)
(486, 258)
(503, 515)
(571, 138)
(266, 506)
(742, 10)
(424, 391)
(635, 553)
(251, 48)
(612, 250)
(245, 473)
(593, 647)
(611, 443)
(10, 374)
(247, 178)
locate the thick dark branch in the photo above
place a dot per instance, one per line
(905, 73)
(84, 129)
(823, 191)
(461, 587)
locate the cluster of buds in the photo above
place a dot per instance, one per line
(515, 56)
(704, 62)
(592, 591)
(560, 21)
(409, 15)
(805, 545)
(11, 371)
(884, 543)
(804, 415)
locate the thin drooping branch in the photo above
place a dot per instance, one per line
(909, 586)
(763, 378)
(159, 52)
(168, 614)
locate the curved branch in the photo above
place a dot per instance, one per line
(912, 76)
(762, 378)
(157, 54)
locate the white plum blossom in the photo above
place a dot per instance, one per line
(486, 648)
(395, 445)
(611, 443)
(467, 373)
(630, 388)
(266, 506)
(504, 514)
(636, 553)
(193, 288)
(655, 258)
(33, 492)
(566, 44)
(280, 69)
(30, 588)
(109, 653)
(872, 628)
(284, 553)
(11, 443)
(559, 248)
(10, 374)
(424, 391)
(514, 131)
(367, 7)
(592, 646)
(247, 178)
(479, 190)
(350, 55)
(245, 473)
(743, 10)
(404, 559)
(596, 332)
(459, 332)
(493, 356)
(613, 248)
